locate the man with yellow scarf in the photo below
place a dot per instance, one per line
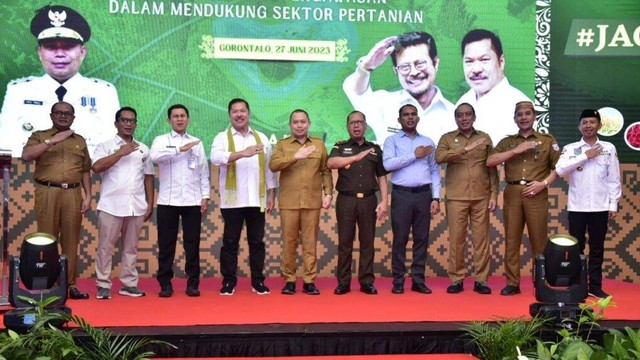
(247, 189)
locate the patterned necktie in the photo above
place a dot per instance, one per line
(60, 92)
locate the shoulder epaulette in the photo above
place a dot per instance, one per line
(22, 80)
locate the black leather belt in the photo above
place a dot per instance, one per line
(519, 182)
(359, 195)
(58, 185)
(416, 189)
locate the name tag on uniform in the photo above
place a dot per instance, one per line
(347, 151)
(33, 102)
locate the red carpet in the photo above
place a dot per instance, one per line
(245, 307)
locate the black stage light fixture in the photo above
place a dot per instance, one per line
(560, 280)
(39, 261)
(43, 272)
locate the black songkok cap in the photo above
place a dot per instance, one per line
(590, 113)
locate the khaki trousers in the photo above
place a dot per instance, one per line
(461, 214)
(299, 224)
(58, 213)
(111, 229)
(518, 211)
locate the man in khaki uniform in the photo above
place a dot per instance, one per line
(472, 191)
(61, 175)
(304, 177)
(529, 159)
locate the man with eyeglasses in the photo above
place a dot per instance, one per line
(491, 95)
(62, 184)
(360, 175)
(126, 202)
(415, 61)
(61, 33)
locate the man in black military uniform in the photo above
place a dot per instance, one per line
(360, 175)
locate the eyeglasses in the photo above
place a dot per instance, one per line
(127, 121)
(356, 122)
(58, 113)
(405, 69)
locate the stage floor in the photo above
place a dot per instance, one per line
(275, 325)
(247, 308)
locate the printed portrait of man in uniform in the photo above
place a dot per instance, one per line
(61, 34)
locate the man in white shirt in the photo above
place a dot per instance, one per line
(247, 190)
(594, 192)
(126, 202)
(415, 61)
(184, 195)
(61, 33)
(490, 95)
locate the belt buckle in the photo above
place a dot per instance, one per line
(523, 182)
(360, 195)
(64, 185)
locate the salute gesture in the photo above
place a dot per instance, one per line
(304, 152)
(378, 54)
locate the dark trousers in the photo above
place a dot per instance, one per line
(168, 221)
(234, 219)
(351, 211)
(595, 224)
(410, 212)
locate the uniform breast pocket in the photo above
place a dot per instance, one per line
(54, 156)
(314, 159)
(604, 160)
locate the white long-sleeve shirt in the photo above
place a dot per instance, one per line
(184, 176)
(594, 184)
(247, 169)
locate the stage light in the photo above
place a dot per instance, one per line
(562, 260)
(43, 272)
(560, 279)
(39, 261)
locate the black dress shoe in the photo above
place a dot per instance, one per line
(368, 289)
(510, 290)
(166, 291)
(598, 293)
(310, 289)
(342, 289)
(76, 294)
(193, 291)
(397, 289)
(420, 288)
(481, 288)
(456, 288)
(289, 288)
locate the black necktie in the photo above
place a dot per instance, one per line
(60, 92)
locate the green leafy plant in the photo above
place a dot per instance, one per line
(498, 340)
(45, 341)
(578, 344)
